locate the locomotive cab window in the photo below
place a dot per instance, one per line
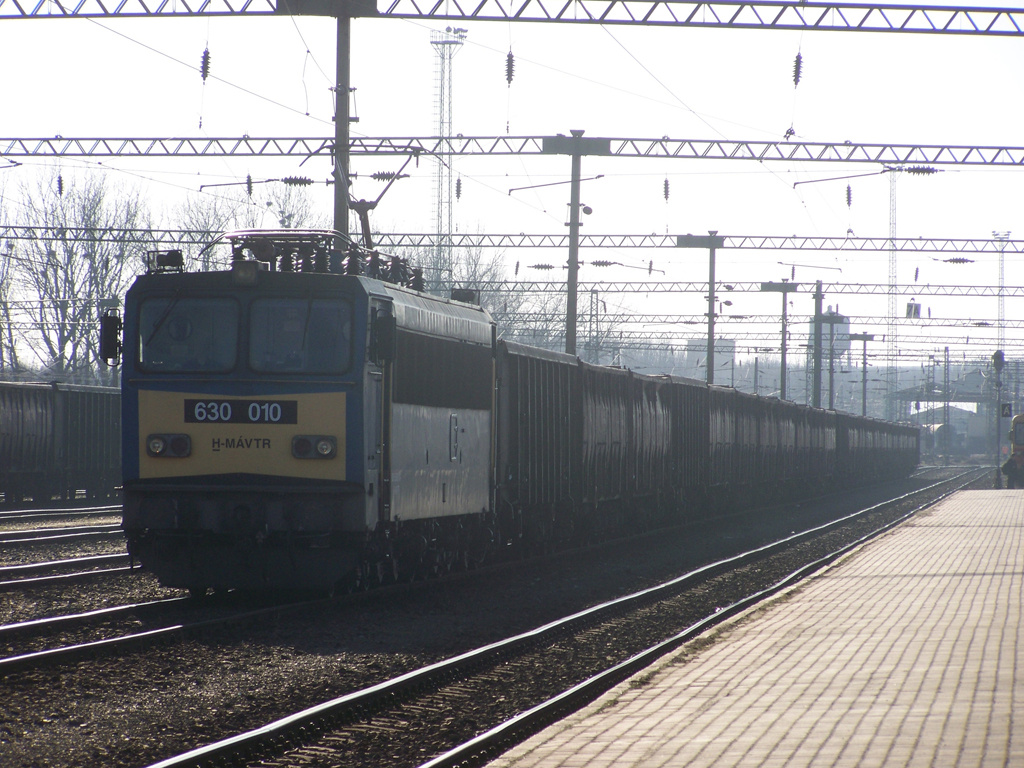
(188, 334)
(300, 335)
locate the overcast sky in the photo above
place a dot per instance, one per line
(272, 77)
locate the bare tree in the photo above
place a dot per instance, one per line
(291, 206)
(208, 216)
(70, 280)
(8, 352)
(275, 205)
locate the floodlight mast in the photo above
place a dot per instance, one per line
(711, 241)
(575, 146)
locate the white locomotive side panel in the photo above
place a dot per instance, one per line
(440, 461)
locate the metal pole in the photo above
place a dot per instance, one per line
(831, 364)
(997, 365)
(818, 298)
(864, 380)
(575, 146)
(711, 312)
(782, 373)
(341, 123)
(574, 250)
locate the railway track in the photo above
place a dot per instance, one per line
(58, 545)
(70, 637)
(465, 709)
(63, 571)
(10, 518)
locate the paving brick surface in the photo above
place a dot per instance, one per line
(907, 653)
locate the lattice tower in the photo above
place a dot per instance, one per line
(446, 45)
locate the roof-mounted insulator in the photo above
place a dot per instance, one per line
(510, 68)
(797, 67)
(204, 65)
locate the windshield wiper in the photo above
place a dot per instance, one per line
(163, 318)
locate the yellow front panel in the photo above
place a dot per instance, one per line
(259, 449)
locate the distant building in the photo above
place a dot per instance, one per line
(835, 334)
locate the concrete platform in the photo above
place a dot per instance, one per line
(909, 652)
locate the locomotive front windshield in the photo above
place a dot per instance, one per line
(286, 335)
(300, 336)
(183, 334)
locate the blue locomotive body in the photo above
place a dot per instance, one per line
(280, 426)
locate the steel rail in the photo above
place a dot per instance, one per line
(13, 570)
(135, 639)
(6, 630)
(62, 578)
(54, 534)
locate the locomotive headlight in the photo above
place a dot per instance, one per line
(169, 446)
(314, 447)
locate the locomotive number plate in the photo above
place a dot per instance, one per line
(242, 411)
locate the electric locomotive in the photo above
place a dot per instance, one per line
(287, 425)
(1013, 468)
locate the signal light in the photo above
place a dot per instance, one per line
(169, 446)
(314, 447)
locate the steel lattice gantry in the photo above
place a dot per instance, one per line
(732, 14)
(660, 148)
(155, 237)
